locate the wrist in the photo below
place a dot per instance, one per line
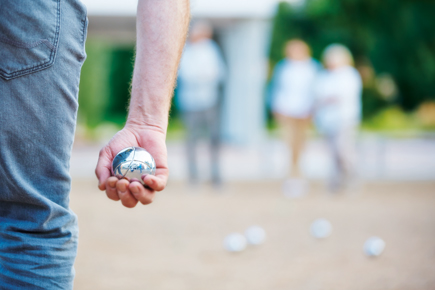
(148, 111)
(140, 124)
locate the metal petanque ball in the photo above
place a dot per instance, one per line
(374, 246)
(321, 228)
(133, 164)
(235, 242)
(255, 235)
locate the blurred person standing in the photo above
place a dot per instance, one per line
(338, 111)
(292, 100)
(200, 75)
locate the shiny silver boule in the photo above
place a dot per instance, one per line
(133, 164)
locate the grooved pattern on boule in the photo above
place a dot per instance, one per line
(133, 163)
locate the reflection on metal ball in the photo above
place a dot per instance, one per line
(133, 164)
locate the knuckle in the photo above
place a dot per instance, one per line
(159, 186)
(120, 186)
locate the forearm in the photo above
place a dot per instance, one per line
(161, 33)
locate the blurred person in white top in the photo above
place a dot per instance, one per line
(200, 76)
(292, 104)
(338, 111)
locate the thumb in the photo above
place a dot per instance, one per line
(104, 167)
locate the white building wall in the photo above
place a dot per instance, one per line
(245, 44)
(199, 8)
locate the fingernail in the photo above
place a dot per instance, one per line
(121, 192)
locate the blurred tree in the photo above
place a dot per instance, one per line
(397, 36)
(93, 84)
(120, 76)
(105, 84)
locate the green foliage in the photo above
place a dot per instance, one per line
(391, 119)
(94, 84)
(372, 103)
(396, 36)
(104, 84)
(105, 88)
(120, 76)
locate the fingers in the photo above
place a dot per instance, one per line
(111, 191)
(157, 182)
(142, 194)
(128, 193)
(127, 199)
(102, 171)
(120, 190)
(154, 183)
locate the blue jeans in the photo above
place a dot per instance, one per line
(41, 54)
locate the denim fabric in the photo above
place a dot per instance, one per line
(41, 54)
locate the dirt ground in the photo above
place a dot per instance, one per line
(177, 242)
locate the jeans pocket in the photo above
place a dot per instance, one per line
(29, 35)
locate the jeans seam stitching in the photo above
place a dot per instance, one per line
(83, 31)
(27, 45)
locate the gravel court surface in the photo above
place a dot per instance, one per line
(177, 242)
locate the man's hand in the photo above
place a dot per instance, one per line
(152, 140)
(161, 33)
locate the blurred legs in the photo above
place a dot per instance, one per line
(213, 129)
(294, 132)
(192, 122)
(196, 122)
(342, 146)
